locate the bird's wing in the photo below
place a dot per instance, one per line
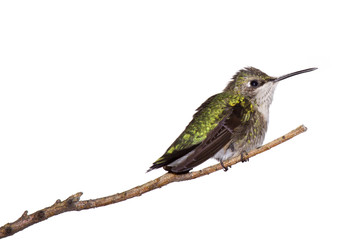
(218, 138)
(192, 136)
(209, 131)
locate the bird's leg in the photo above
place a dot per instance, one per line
(242, 156)
(243, 159)
(222, 164)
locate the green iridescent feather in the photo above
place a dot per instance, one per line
(205, 120)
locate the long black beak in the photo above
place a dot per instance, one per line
(293, 74)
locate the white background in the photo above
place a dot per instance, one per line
(92, 92)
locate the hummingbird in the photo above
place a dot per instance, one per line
(227, 124)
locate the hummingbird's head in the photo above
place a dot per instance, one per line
(256, 85)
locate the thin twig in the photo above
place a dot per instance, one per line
(73, 202)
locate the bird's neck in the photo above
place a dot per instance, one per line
(264, 99)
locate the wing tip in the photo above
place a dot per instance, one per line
(158, 164)
(170, 169)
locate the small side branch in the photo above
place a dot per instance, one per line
(73, 202)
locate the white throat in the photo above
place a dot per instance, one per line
(264, 97)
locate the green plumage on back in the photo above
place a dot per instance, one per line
(206, 119)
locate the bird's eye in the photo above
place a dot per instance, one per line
(254, 83)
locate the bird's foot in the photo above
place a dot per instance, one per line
(243, 159)
(223, 166)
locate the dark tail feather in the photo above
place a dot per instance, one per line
(169, 158)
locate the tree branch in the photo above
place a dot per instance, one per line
(73, 202)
